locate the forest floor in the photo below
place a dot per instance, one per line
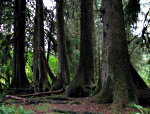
(61, 105)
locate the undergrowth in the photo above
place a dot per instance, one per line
(141, 109)
(4, 109)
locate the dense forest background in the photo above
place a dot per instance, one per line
(85, 47)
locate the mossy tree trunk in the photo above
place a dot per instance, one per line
(115, 73)
(84, 77)
(40, 79)
(19, 80)
(64, 76)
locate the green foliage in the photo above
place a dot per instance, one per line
(141, 109)
(2, 96)
(145, 69)
(5, 61)
(141, 61)
(29, 63)
(6, 19)
(53, 63)
(12, 110)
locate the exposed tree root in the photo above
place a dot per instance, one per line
(106, 95)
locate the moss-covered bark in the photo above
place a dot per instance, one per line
(80, 86)
(106, 93)
(84, 77)
(115, 63)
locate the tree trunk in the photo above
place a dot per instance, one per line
(39, 72)
(115, 59)
(64, 77)
(35, 57)
(139, 82)
(19, 79)
(1, 15)
(0, 33)
(98, 54)
(84, 77)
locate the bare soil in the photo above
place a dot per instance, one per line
(68, 106)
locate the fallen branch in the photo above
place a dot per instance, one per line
(44, 93)
(20, 99)
(16, 98)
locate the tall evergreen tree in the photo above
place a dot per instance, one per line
(39, 72)
(85, 73)
(116, 78)
(0, 12)
(19, 79)
(64, 76)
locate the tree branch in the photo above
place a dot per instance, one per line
(49, 71)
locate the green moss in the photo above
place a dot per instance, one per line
(75, 89)
(43, 107)
(105, 95)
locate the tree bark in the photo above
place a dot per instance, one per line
(139, 82)
(115, 58)
(39, 72)
(64, 76)
(19, 79)
(84, 77)
(45, 62)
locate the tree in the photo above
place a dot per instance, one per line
(0, 13)
(85, 73)
(19, 79)
(39, 72)
(64, 77)
(72, 33)
(116, 77)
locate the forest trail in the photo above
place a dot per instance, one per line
(60, 105)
